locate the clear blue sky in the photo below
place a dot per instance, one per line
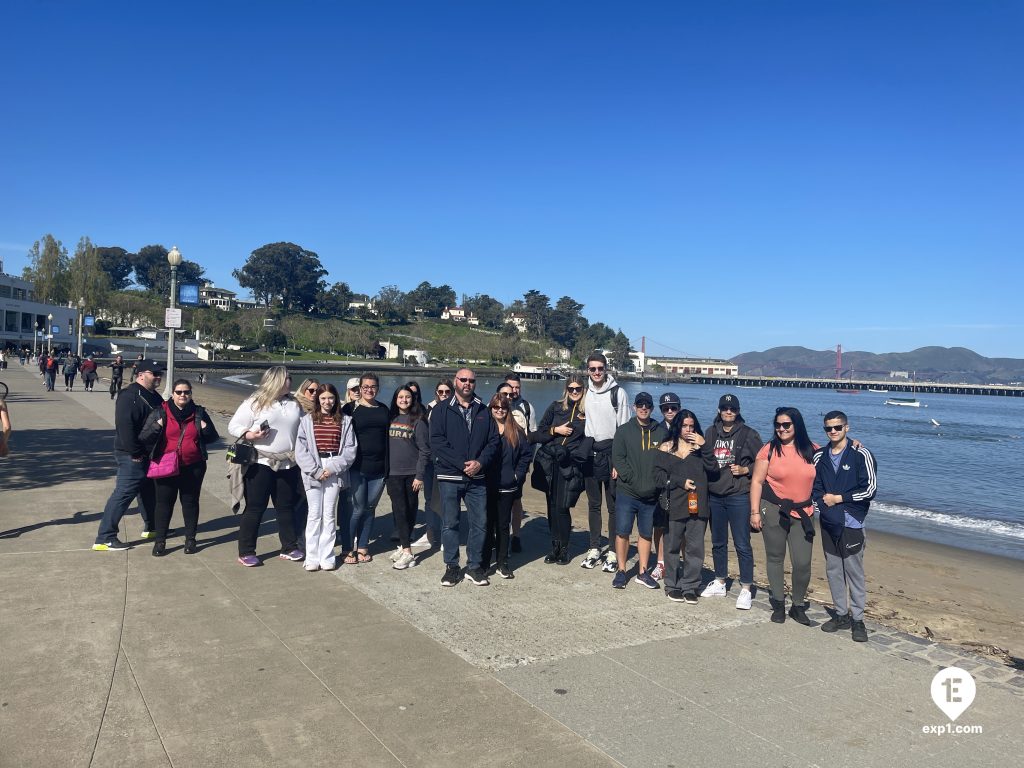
(718, 176)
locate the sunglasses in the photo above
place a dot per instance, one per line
(835, 427)
(596, 369)
(443, 392)
(783, 425)
(574, 390)
(498, 408)
(728, 409)
(311, 389)
(369, 387)
(667, 408)
(466, 381)
(645, 406)
(183, 391)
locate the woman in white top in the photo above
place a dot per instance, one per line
(270, 419)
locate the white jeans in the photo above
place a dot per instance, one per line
(322, 519)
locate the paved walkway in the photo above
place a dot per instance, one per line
(124, 659)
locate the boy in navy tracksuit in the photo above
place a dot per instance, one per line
(844, 484)
(464, 442)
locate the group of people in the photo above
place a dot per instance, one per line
(71, 365)
(325, 458)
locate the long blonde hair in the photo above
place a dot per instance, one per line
(269, 390)
(580, 380)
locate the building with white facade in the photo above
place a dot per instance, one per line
(212, 296)
(23, 320)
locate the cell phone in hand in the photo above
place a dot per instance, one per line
(264, 426)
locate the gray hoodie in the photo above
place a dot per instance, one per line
(602, 420)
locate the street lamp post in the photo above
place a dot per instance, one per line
(174, 259)
(35, 341)
(49, 334)
(81, 316)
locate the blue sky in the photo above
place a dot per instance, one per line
(718, 176)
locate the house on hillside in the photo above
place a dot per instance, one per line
(516, 319)
(459, 315)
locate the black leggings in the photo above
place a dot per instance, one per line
(261, 485)
(187, 484)
(499, 518)
(403, 506)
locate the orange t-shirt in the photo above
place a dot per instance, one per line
(789, 475)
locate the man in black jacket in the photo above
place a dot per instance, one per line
(133, 405)
(463, 441)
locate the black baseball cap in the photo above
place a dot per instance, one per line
(643, 398)
(729, 401)
(150, 365)
(669, 398)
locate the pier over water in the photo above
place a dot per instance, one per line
(910, 387)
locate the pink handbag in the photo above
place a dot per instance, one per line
(168, 465)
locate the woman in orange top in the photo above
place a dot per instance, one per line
(781, 510)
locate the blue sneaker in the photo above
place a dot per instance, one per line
(620, 580)
(645, 579)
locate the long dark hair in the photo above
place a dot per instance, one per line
(801, 440)
(675, 429)
(415, 407)
(414, 387)
(318, 416)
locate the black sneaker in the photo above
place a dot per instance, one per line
(676, 595)
(114, 545)
(477, 576)
(452, 576)
(517, 545)
(837, 623)
(798, 613)
(505, 572)
(860, 632)
(690, 597)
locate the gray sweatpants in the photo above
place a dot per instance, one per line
(693, 530)
(845, 573)
(775, 541)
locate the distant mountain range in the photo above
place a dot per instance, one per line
(940, 364)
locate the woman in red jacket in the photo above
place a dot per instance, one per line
(182, 426)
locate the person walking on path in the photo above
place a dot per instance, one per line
(464, 442)
(633, 452)
(780, 507)
(181, 426)
(564, 449)
(681, 468)
(607, 410)
(408, 453)
(735, 446)
(70, 371)
(116, 375)
(131, 410)
(370, 421)
(270, 420)
(844, 484)
(88, 370)
(324, 450)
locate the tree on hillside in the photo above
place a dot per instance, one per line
(86, 278)
(620, 350)
(117, 263)
(334, 301)
(390, 304)
(537, 308)
(285, 274)
(487, 309)
(153, 273)
(48, 270)
(432, 299)
(596, 336)
(566, 321)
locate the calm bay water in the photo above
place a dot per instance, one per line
(958, 484)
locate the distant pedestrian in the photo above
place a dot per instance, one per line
(181, 426)
(270, 420)
(116, 375)
(131, 410)
(844, 484)
(325, 448)
(780, 507)
(70, 371)
(88, 369)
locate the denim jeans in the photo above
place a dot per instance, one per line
(475, 495)
(430, 516)
(731, 512)
(131, 482)
(365, 493)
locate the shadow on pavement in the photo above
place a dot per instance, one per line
(43, 458)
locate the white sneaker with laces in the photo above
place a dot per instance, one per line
(405, 560)
(393, 557)
(611, 563)
(743, 601)
(592, 558)
(715, 589)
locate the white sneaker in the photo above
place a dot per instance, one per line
(743, 601)
(393, 557)
(715, 589)
(611, 563)
(422, 541)
(592, 558)
(405, 560)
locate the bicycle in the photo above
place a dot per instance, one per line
(3, 390)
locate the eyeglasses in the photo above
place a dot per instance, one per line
(835, 427)
(183, 391)
(667, 408)
(369, 387)
(465, 380)
(574, 390)
(595, 368)
(783, 425)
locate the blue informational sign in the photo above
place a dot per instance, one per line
(55, 330)
(90, 321)
(188, 295)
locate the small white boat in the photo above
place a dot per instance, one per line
(879, 391)
(906, 402)
(935, 423)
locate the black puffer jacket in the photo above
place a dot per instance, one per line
(558, 465)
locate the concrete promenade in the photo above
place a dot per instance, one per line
(122, 659)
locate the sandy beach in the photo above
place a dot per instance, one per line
(950, 595)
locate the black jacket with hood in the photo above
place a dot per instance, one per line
(737, 446)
